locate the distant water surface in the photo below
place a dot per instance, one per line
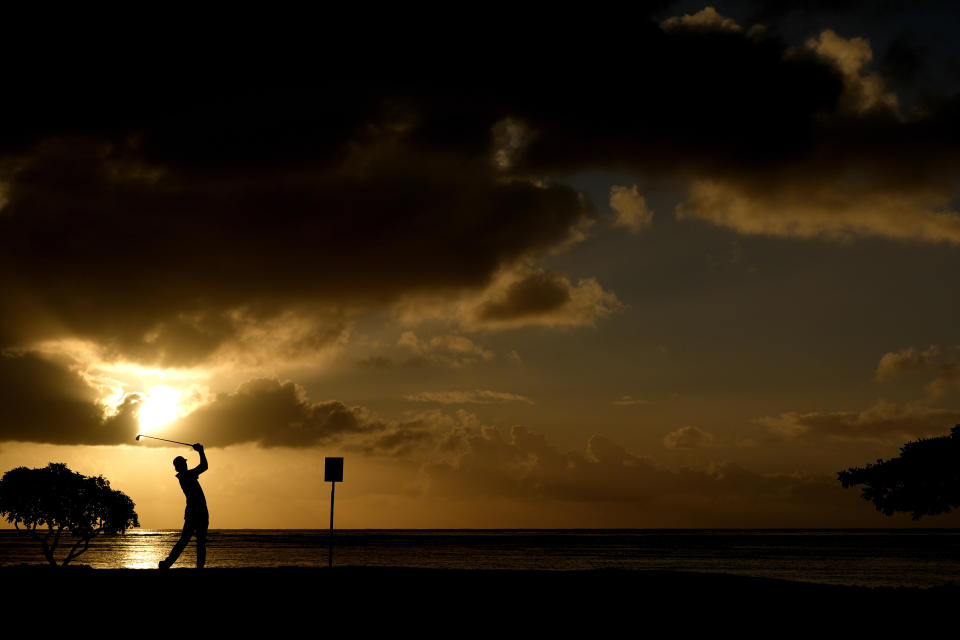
(855, 557)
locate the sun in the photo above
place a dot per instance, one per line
(160, 406)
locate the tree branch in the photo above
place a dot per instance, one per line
(86, 544)
(56, 541)
(47, 553)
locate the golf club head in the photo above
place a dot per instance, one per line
(138, 437)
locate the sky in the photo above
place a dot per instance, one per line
(667, 266)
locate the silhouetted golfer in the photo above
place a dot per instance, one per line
(195, 517)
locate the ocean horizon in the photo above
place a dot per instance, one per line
(863, 557)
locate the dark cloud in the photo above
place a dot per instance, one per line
(272, 414)
(162, 263)
(165, 214)
(45, 401)
(772, 10)
(400, 441)
(536, 294)
(688, 98)
(539, 297)
(903, 61)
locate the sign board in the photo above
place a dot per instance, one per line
(333, 469)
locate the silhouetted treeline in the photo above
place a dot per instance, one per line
(923, 480)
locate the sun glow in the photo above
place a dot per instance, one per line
(159, 407)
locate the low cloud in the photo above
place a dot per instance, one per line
(862, 91)
(445, 350)
(272, 413)
(510, 137)
(485, 462)
(478, 396)
(707, 19)
(688, 438)
(630, 208)
(883, 422)
(538, 297)
(948, 377)
(522, 296)
(894, 363)
(44, 400)
(49, 401)
(376, 362)
(457, 456)
(537, 294)
(830, 208)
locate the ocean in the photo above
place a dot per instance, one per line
(889, 557)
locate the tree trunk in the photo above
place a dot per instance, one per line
(74, 553)
(47, 551)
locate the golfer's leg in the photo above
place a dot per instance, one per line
(201, 544)
(181, 543)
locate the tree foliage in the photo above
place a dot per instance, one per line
(923, 480)
(54, 500)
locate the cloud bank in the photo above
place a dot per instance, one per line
(164, 227)
(883, 422)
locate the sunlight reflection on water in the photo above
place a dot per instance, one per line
(873, 558)
(140, 549)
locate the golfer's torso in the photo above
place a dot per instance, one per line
(196, 502)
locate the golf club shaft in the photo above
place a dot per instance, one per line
(165, 440)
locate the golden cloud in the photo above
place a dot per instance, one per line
(831, 210)
(477, 396)
(631, 208)
(883, 422)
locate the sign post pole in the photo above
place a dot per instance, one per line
(333, 487)
(332, 473)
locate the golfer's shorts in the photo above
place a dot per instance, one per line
(196, 520)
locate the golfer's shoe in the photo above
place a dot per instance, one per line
(165, 564)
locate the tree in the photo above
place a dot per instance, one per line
(55, 500)
(924, 479)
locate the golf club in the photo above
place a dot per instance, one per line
(140, 435)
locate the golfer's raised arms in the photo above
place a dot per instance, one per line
(203, 466)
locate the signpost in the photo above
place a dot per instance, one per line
(332, 473)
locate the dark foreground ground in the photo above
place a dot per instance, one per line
(347, 602)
